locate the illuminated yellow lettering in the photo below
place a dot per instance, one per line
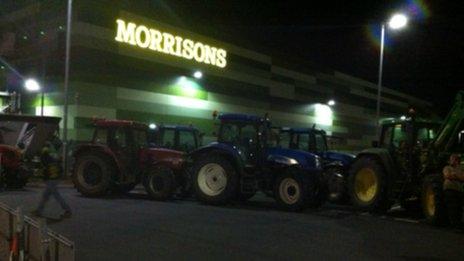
(187, 51)
(178, 51)
(156, 39)
(168, 43)
(142, 36)
(221, 58)
(199, 52)
(125, 34)
(159, 41)
(210, 55)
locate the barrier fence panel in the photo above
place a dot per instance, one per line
(29, 239)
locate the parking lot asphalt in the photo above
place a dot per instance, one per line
(132, 227)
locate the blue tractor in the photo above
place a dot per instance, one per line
(244, 159)
(335, 164)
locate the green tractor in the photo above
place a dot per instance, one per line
(405, 165)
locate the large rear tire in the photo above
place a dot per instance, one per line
(432, 201)
(92, 174)
(291, 191)
(214, 180)
(159, 183)
(367, 186)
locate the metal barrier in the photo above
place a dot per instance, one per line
(28, 239)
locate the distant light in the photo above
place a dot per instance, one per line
(331, 103)
(323, 114)
(403, 118)
(2, 67)
(152, 126)
(198, 75)
(60, 27)
(31, 85)
(25, 37)
(398, 21)
(42, 33)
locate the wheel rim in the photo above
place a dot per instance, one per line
(429, 201)
(289, 191)
(212, 179)
(92, 174)
(366, 185)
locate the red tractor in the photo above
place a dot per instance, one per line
(118, 158)
(21, 140)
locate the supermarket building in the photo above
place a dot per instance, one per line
(126, 66)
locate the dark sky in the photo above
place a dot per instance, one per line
(426, 59)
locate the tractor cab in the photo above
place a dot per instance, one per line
(176, 137)
(407, 140)
(245, 133)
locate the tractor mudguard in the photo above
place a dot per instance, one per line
(282, 160)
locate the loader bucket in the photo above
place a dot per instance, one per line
(27, 132)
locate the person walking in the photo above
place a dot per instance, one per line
(453, 175)
(51, 174)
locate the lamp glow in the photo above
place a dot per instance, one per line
(398, 21)
(31, 85)
(152, 126)
(198, 75)
(331, 102)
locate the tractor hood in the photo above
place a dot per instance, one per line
(344, 158)
(305, 160)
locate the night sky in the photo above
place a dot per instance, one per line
(425, 59)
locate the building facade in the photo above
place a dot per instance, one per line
(128, 66)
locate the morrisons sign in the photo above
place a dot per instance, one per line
(163, 42)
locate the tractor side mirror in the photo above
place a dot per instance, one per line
(375, 144)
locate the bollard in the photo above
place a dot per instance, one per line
(17, 243)
(44, 240)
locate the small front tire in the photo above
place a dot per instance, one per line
(290, 191)
(159, 183)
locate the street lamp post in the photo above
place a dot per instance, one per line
(397, 21)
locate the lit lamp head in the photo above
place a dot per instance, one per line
(398, 21)
(331, 102)
(152, 126)
(31, 85)
(198, 74)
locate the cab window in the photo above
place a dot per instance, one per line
(120, 139)
(399, 136)
(168, 138)
(187, 141)
(101, 136)
(321, 144)
(140, 138)
(284, 139)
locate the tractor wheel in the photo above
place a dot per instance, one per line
(433, 206)
(159, 183)
(291, 191)
(92, 174)
(214, 180)
(367, 186)
(335, 183)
